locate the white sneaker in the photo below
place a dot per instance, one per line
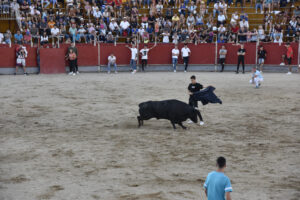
(289, 73)
(189, 121)
(108, 72)
(175, 71)
(74, 74)
(71, 73)
(133, 72)
(116, 72)
(201, 123)
(184, 70)
(282, 63)
(77, 72)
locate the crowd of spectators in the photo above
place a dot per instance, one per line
(167, 21)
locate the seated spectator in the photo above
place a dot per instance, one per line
(54, 3)
(268, 21)
(97, 13)
(169, 14)
(166, 36)
(261, 33)
(221, 40)
(244, 24)
(192, 8)
(144, 23)
(278, 39)
(199, 20)
(87, 8)
(259, 4)
(221, 18)
(268, 4)
(72, 32)
(1, 38)
(221, 30)
(18, 38)
(5, 6)
(113, 26)
(175, 20)
(91, 33)
(55, 33)
(182, 9)
(82, 34)
(175, 38)
(292, 26)
(234, 18)
(159, 8)
(223, 7)
(190, 21)
(27, 37)
(124, 26)
(110, 38)
(44, 39)
(46, 3)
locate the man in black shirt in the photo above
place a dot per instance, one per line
(261, 57)
(241, 58)
(192, 88)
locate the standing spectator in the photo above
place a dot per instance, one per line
(21, 59)
(185, 53)
(288, 56)
(73, 48)
(241, 59)
(175, 54)
(18, 38)
(144, 53)
(217, 185)
(222, 54)
(134, 56)
(71, 56)
(261, 57)
(112, 60)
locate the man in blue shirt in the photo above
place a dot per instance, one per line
(18, 37)
(217, 185)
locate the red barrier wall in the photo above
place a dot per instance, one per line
(52, 60)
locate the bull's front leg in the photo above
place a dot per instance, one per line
(173, 124)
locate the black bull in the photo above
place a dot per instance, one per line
(173, 110)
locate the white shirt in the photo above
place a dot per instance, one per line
(166, 37)
(54, 31)
(97, 14)
(124, 24)
(144, 53)
(185, 52)
(133, 53)
(175, 39)
(216, 6)
(44, 38)
(234, 18)
(221, 29)
(221, 18)
(244, 24)
(175, 51)
(113, 25)
(112, 59)
(1, 38)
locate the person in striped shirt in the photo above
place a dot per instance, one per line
(217, 185)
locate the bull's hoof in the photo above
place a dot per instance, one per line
(184, 128)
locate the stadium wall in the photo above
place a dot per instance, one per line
(52, 60)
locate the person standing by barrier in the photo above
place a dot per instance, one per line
(185, 53)
(133, 60)
(288, 56)
(222, 54)
(74, 49)
(71, 56)
(21, 59)
(241, 59)
(175, 54)
(217, 185)
(144, 53)
(261, 57)
(112, 61)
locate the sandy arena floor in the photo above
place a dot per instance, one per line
(69, 138)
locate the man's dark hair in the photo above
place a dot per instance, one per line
(221, 162)
(288, 43)
(193, 77)
(185, 44)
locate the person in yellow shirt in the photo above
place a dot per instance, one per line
(175, 19)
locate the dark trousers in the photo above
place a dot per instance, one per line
(222, 62)
(76, 65)
(241, 59)
(186, 62)
(193, 102)
(72, 64)
(144, 63)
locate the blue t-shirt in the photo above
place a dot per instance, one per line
(216, 185)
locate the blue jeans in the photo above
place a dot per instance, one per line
(109, 65)
(258, 5)
(174, 62)
(133, 64)
(146, 1)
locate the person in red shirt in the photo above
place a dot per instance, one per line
(288, 56)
